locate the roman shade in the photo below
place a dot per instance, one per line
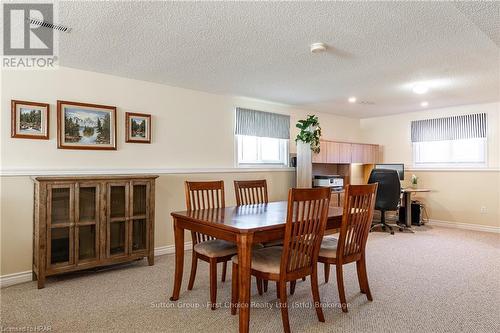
(262, 124)
(449, 128)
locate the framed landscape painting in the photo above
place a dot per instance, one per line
(29, 120)
(138, 127)
(86, 126)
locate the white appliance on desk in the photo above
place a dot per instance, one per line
(335, 182)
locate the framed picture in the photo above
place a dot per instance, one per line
(138, 127)
(29, 120)
(86, 126)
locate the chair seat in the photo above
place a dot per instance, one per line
(267, 260)
(216, 248)
(328, 247)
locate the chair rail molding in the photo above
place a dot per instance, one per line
(135, 171)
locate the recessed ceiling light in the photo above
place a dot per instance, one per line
(420, 89)
(318, 47)
(423, 86)
(352, 99)
(424, 104)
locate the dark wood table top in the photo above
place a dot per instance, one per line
(247, 217)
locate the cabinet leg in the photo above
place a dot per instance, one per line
(41, 281)
(33, 276)
(151, 260)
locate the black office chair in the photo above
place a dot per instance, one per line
(388, 194)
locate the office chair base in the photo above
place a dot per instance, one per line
(404, 227)
(384, 226)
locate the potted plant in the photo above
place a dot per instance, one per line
(414, 181)
(307, 142)
(310, 132)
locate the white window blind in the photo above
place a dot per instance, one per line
(262, 137)
(262, 124)
(451, 142)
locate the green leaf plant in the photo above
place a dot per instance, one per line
(310, 132)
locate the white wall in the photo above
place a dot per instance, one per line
(194, 130)
(393, 132)
(457, 196)
(191, 130)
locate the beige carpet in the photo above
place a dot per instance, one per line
(436, 280)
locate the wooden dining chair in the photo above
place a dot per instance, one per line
(305, 225)
(204, 195)
(250, 192)
(350, 247)
(254, 192)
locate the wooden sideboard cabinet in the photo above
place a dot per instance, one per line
(82, 222)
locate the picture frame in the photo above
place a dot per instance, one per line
(30, 120)
(86, 126)
(137, 127)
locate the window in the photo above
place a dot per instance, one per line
(452, 142)
(450, 153)
(259, 150)
(262, 138)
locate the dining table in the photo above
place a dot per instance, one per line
(243, 225)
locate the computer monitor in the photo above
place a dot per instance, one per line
(399, 167)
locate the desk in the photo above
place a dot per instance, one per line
(243, 225)
(339, 196)
(407, 192)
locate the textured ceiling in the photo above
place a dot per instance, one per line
(261, 50)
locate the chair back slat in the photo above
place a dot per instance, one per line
(204, 195)
(356, 219)
(250, 192)
(305, 226)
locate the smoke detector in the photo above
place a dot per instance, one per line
(318, 47)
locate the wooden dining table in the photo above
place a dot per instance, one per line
(243, 225)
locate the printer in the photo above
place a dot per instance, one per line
(336, 182)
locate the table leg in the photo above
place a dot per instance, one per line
(179, 260)
(407, 196)
(244, 264)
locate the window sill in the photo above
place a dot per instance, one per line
(264, 166)
(448, 169)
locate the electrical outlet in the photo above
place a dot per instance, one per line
(483, 210)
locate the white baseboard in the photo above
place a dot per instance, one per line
(466, 226)
(15, 278)
(170, 249)
(22, 277)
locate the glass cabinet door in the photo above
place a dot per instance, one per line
(139, 234)
(60, 227)
(117, 232)
(61, 198)
(118, 213)
(87, 221)
(60, 246)
(139, 216)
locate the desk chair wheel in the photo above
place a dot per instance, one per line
(403, 227)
